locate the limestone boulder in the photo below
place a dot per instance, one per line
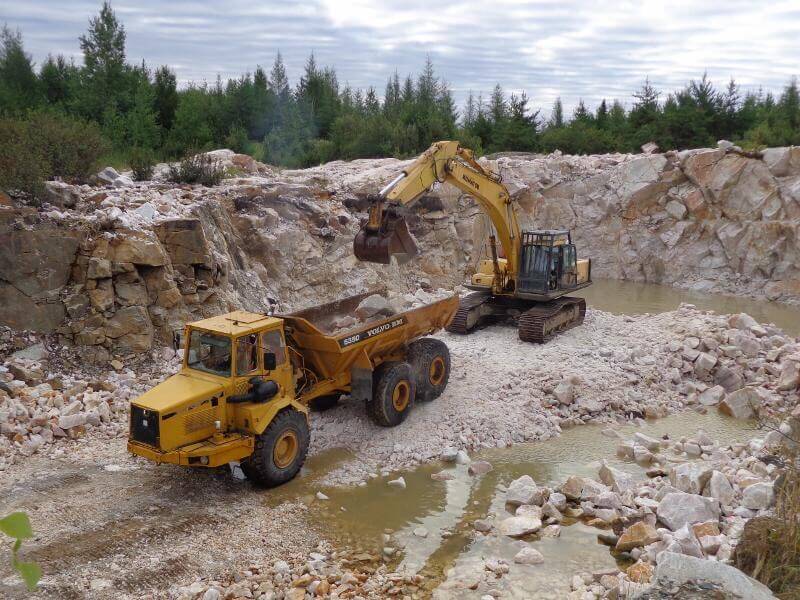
(520, 526)
(690, 477)
(677, 509)
(741, 404)
(719, 487)
(524, 491)
(675, 569)
(637, 535)
(619, 481)
(758, 496)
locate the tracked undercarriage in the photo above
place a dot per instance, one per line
(538, 322)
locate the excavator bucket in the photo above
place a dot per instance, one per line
(392, 239)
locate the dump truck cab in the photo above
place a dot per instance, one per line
(235, 378)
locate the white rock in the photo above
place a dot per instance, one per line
(712, 396)
(617, 480)
(211, 594)
(523, 491)
(648, 442)
(397, 483)
(564, 392)
(528, 556)
(690, 477)
(421, 532)
(719, 487)
(741, 404)
(758, 496)
(449, 454)
(519, 526)
(321, 496)
(677, 509)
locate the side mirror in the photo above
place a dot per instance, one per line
(269, 361)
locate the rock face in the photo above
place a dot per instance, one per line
(118, 267)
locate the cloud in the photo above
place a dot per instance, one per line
(575, 49)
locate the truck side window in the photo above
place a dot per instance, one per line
(246, 354)
(271, 341)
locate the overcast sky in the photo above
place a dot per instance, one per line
(572, 48)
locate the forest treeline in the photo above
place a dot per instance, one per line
(127, 109)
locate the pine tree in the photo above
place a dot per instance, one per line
(19, 89)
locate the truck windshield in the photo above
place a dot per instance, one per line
(209, 352)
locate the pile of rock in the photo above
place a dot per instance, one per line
(696, 504)
(41, 404)
(736, 364)
(325, 573)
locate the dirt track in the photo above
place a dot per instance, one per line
(146, 528)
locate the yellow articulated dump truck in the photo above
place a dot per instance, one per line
(248, 379)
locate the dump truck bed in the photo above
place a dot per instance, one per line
(329, 353)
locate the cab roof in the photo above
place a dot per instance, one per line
(235, 323)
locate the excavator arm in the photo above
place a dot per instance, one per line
(385, 234)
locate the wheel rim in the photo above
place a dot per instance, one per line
(436, 372)
(401, 395)
(285, 449)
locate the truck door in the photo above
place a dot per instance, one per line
(272, 343)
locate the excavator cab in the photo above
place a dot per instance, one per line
(548, 263)
(383, 235)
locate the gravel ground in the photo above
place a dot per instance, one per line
(616, 364)
(112, 526)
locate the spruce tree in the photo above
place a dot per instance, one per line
(557, 115)
(103, 49)
(166, 97)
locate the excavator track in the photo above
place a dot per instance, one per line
(465, 319)
(544, 321)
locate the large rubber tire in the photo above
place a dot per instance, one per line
(280, 451)
(430, 361)
(394, 388)
(323, 403)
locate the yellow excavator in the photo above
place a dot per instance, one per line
(526, 278)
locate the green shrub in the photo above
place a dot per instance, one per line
(141, 161)
(199, 168)
(237, 140)
(46, 145)
(17, 526)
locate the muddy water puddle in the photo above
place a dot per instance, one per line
(629, 297)
(431, 522)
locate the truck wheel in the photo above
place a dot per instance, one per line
(280, 451)
(394, 394)
(430, 360)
